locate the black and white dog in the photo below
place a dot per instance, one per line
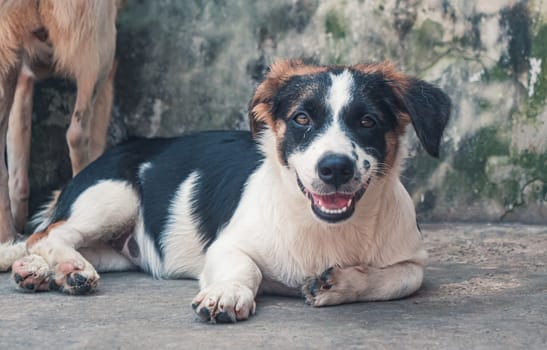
(310, 201)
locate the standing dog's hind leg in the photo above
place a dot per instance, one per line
(78, 134)
(8, 82)
(102, 111)
(18, 147)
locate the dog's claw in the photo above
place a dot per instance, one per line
(224, 317)
(17, 277)
(204, 313)
(325, 275)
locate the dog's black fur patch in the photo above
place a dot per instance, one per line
(118, 163)
(298, 137)
(223, 159)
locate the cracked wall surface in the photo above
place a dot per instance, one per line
(190, 65)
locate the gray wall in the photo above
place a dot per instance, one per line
(187, 65)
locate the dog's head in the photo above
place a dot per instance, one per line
(339, 128)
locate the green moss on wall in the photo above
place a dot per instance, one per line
(335, 25)
(537, 101)
(469, 178)
(429, 33)
(497, 73)
(418, 167)
(535, 164)
(475, 150)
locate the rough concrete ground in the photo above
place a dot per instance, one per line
(485, 288)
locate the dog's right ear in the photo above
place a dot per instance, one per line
(260, 107)
(279, 73)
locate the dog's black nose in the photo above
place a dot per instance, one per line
(336, 169)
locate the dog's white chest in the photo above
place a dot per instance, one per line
(277, 230)
(294, 254)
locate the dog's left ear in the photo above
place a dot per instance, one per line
(429, 110)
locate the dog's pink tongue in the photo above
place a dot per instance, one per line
(332, 201)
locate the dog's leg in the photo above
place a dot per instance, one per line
(229, 283)
(101, 213)
(72, 272)
(78, 133)
(338, 285)
(87, 61)
(8, 82)
(9, 253)
(32, 273)
(101, 115)
(18, 148)
(106, 259)
(53, 262)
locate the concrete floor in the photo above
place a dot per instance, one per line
(485, 288)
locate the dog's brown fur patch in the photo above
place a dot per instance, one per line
(281, 128)
(393, 139)
(397, 80)
(37, 236)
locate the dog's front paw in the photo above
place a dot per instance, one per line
(32, 273)
(224, 302)
(336, 285)
(76, 277)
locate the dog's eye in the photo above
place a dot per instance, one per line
(367, 121)
(302, 119)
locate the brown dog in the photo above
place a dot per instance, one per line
(38, 38)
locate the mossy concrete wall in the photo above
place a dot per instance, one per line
(187, 65)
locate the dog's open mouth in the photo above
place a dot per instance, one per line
(333, 207)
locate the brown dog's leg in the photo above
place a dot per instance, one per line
(101, 116)
(7, 89)
(18, 148)
(79, 134)
(88, 61)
